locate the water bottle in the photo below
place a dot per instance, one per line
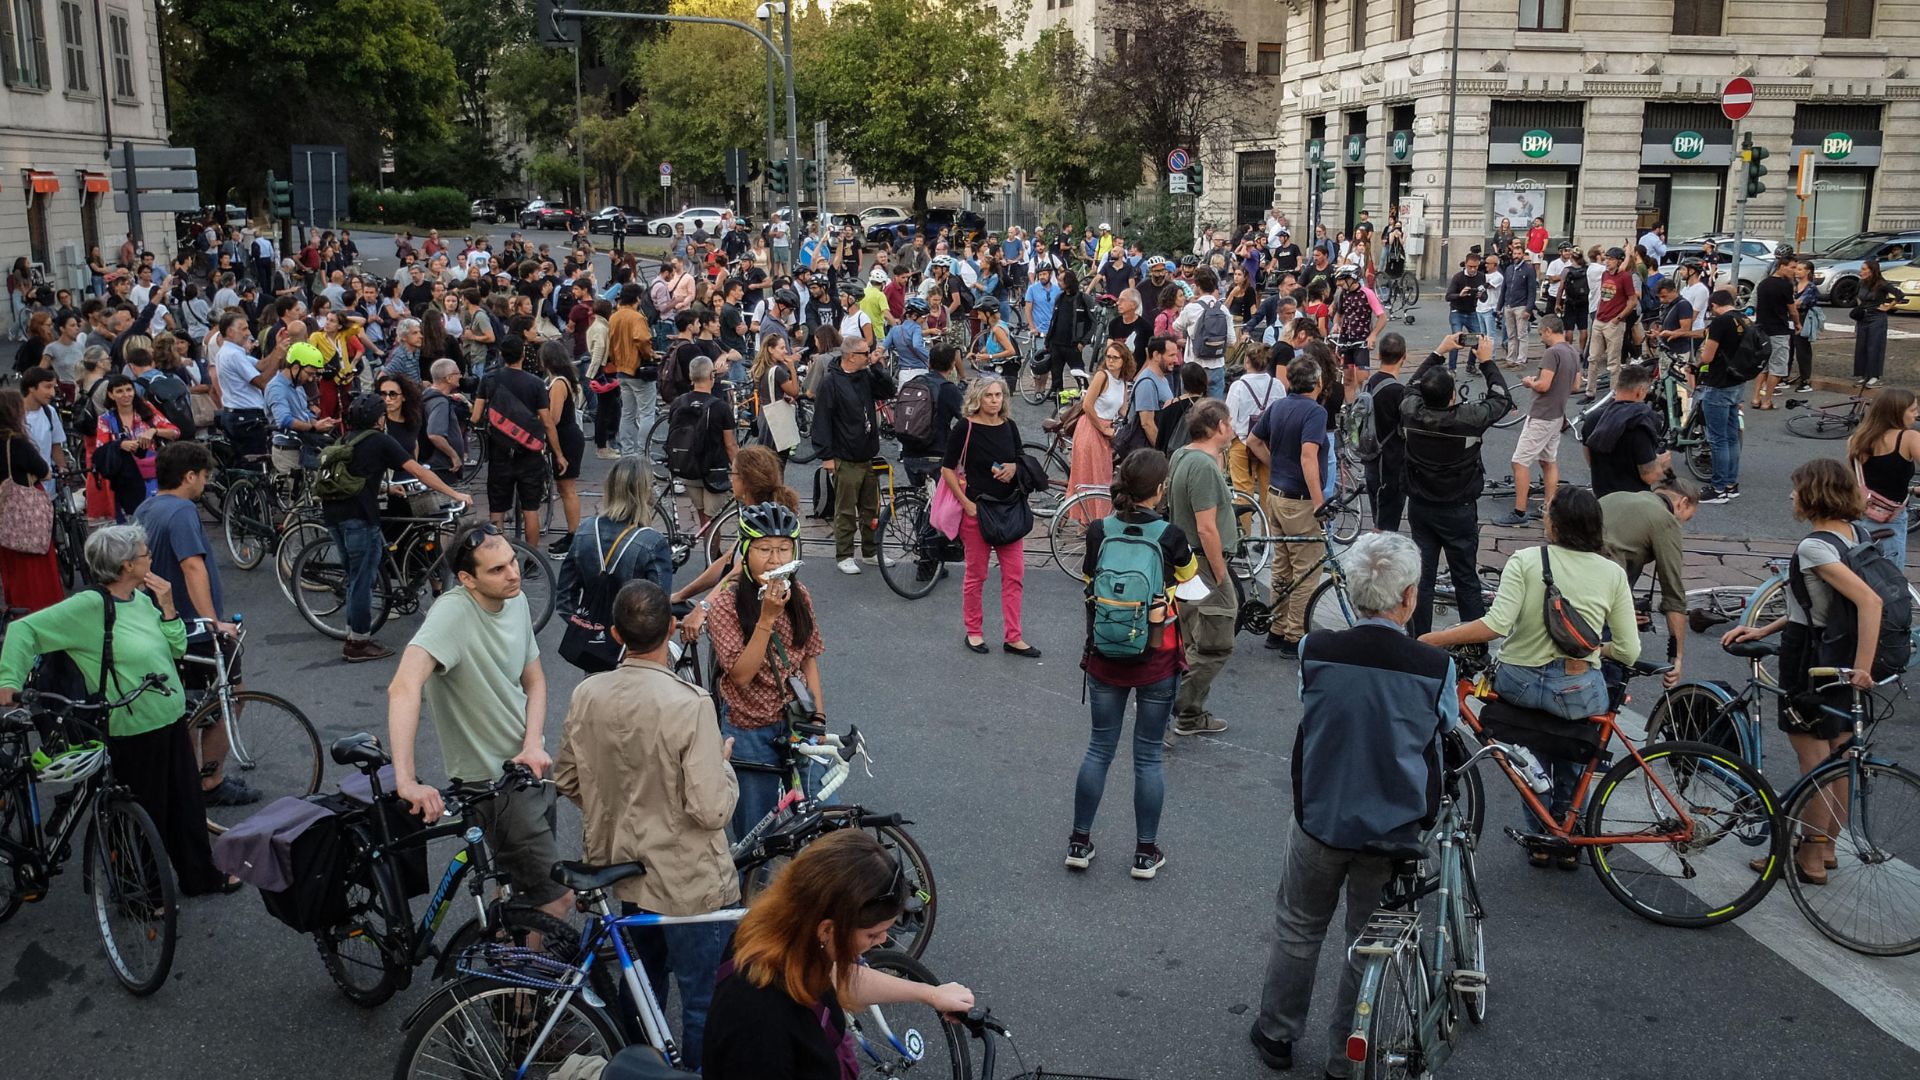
(1530, 768)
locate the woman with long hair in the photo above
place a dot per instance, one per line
(563, 401)
(793, 972)
(981, 463)
(405, 414)
(759, 476)
(1106, 405)
(434, 344)
(29, 581)
(620, 542)
(135, 429)
(1172, 300)
(39, 333)
(1882, 452)
(1241, 294)
(1877, 297)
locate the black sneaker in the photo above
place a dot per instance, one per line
(229, 792)
(1715, 497)
(1275, 1053)
(1804, 388)
(1148, 863)
(1079, 854)
(559, 548)
(1732, 491)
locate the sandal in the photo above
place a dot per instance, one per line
(1539, 858)
(1759, 865)
(1568, 860)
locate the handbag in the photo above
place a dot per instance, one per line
(26, 514)
(1131, 435)
(1004, 521)
(779, 419)
(947, 510)
(586, 643)
(1570, 631)
(799, 707)
(1880, 509)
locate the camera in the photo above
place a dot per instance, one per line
(1469, 341)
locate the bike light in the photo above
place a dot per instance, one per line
(1356, 1047)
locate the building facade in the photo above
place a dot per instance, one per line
(77, 77)
(1601, 117)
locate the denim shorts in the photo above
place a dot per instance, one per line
(1551, 690)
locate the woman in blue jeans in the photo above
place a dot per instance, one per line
(1152, 676)
(1535, 673)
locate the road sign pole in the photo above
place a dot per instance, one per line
(133, 197)
(1739, 216)
(793, 123)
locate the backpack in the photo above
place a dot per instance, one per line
(913, 409)
(673, 373)
(1751, 354)
(1210, 332)
(334, 481)
(512, 425)
(1358, 426)
(687, 437)
(174, 401)
(1836, 642)
(1129, 581)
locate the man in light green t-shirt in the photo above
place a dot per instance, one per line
(1200, 502)
(477, 664)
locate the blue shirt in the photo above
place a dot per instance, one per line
(1042, 298)
(286, 403)
(1286, 426)
(907, 344)
(174, 535)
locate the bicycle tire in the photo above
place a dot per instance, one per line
(1693, 712)
(1522, 399)
(1471, 796)
(1882, 797)
(1388, 1017)
(514, 925)
(655, 448)
(1767, 604)
(804, 452)
(1820, 422)
(288, 548)
(246, 510)
(537, 584)
(320, 589)
(1046, 503)
(1067, 532)
(1408, 285)
(664, 519)
(1256, 536)
(911, 932)
(1692, 772)
(1699, 461)
(900, 533)
(274, 748)
(723, 535)
(1329, 608)
(441, 1042)
(121, 836)
(877, 1061)
(1468, 938)
(1347, 518)
(16, 827)
(355, 954)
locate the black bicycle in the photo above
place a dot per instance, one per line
(127, 870)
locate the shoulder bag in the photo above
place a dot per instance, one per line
(588, 641)
(26, 514)
(777, 417)
(947, 509)
(1880, 509)
(1570, 631)
(1131, 435)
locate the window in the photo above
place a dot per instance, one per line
(1697, 18)
(1317, 30)
(1358, 26)
(23, 44)
(73, 46)
(120, 49)
(1402, 19)
(1543, 14)
(37, 236)
(1850, 18)
(1120, 46)
(1233, 58)
(1272, 58)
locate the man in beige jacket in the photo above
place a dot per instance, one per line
(643, 759)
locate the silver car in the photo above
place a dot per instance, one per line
(1836, 271)
(1756, 260)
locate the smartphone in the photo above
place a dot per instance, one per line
(1469, 341)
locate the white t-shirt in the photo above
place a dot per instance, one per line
(224, 299)
(139, 295)
(1189, 318)
(44, 428)
(851, 325)
(1492, 293)
(777, 233)
(237, 371)
(1594, 270)
(1697, 295)
(1248, 397)
(478, 259)
(1554, 270)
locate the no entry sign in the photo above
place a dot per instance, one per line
(1736, 98)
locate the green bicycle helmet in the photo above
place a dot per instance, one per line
(69, 766)
(301, 354)
(767, 519)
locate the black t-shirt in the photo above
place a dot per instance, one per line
(1618, 469)
(1773, 305)
(528, 388)
(1725, 331)
(730, 323)
(373, 456)
(1463, 292)
(686, 411)
(417, 297)
(1113, 278)
(986, 445)
(1286, 257)
(1134, 335)
(1312, 274)
(757, 1032)
(1388, 392)
(756, 279)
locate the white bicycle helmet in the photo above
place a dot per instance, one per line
(877, 276)
(69, 766)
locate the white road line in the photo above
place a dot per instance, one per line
(1847, 328)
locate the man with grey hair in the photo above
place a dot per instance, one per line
(700, 442)
(404, 358)
(1367, 769)
(440, 404)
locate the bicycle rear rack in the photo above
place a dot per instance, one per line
(1387, 933)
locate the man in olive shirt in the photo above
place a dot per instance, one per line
(1645, 527)
(1200, 502)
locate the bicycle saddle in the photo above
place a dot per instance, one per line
(640, 1063)
(360, 751)
(585, 877)
(1753, 650)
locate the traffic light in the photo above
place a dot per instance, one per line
(1196, 178)
(1754, 156)
(777, 173)
(812, 170)
(279, 196)
(1324, 174)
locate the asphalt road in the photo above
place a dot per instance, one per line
(1098, 974)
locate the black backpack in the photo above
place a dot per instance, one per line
(1750, 355)
(913, 409)
(174, 400)
(690, 423)
(1837, 639)
(511, 424)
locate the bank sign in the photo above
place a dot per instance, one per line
(1839, 147)
(1687, 146)
(1534, 146)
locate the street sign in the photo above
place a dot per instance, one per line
(844, 180)
(153, 157)
(1736, 98)
(1178, 160)
(319, 185)
(666, 179)
(160, 202)
(666, 168)
(736, 167)
(1177, 183)
(1803, 184)
(158, 179)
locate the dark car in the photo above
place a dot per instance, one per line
(966, 225)
(498, 211)
(602, 221)
(553, 216)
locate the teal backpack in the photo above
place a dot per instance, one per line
(1128, 580)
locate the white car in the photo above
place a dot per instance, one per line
(1756, 260)
(707, 216)
(874, 214)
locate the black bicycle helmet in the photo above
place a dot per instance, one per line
(987, 303)
(852, 288)
(1189, 260)
(787, 297)
(767, 519)
(917, 305)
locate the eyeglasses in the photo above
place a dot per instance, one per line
(389, 393)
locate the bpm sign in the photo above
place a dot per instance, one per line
(1688, 145)
(1837, 145)
(1536, 143)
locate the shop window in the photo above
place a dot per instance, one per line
(1272, 59)
(1697, 18)
(1543, 14)
(1850, 18)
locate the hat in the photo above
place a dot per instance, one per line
(301, 354)
(1615, 253)
(1284, 232)
(878, 276)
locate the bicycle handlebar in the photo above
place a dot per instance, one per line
(37, 698)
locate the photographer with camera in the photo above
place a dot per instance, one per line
(1444, 473)
(1464, 294)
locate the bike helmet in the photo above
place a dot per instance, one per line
(987, 303)
(787, 297)
(1345, 270)
(69, 766)
(767, 519)
(941, 262)
(301, 354)
(877, 276)
(1156, 263)
(1189, 260)
(852, 288)
(917, 305)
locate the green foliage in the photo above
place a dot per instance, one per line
(1052, 119)
(551, 171)
(1162, 223)
(906, 88)
(534, 86)
(706, 89)
(1175, 93)
(441, 208)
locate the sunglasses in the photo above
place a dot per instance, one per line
(390, 393)
(479, 535)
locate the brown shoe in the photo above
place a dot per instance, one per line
(359, 652)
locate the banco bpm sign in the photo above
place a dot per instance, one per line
(1536, 143)
(1688, 145)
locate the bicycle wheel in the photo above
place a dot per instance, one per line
(1347, 515)
(665, 520)
(1256, 536)
(901, 1046)
(724, 534)
(1067, 532)
(356, 953)
(1409, 287)
(1699, 460)
(16, 827)
(1692, 712)
(511, 924)
(537, 584)
(1330, 608)
(244, 523)
(288, 548)
(1387, 1018)
(1522, 402)
(1046, 503)
(655, 448)
(320, 589)
(804, 452)
(1823, 422)
(1871, 900)
(272, 747)
(1768, 604)
(485, 1028)
(903, 533)
(913, 930)
(1467, 939)
(1702, 880)
(134, 901)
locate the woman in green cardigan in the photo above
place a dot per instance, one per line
(146, 738)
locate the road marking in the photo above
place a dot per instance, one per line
(1847, 328)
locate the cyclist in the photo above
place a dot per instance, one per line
(996, 351)
(758, 477)
(1644, 527)
(129, 612)
(906, 343)
(1357, 319)
(793, 968)
(297, 432)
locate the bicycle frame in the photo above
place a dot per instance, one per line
(795, 783)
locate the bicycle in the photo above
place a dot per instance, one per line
(1401, 295)
(1352, 508)
(905, 525)
(979, 1025)
(413, 570)
(1329, 605)
(1668, 824)
(1767, 603)
(373, 949)
(1866, 804)
(1421, 971)
(70, 529)
(267, 736)
(261, 510)
(1067, 532)
(127, 871)
(1832, 421)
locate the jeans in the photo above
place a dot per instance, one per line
(1893, 547)
(973, 587)
(1456, 322)
(1311, 883)
(1455, 530)
(760, 791)
(1492, 327)
(692, 952)
(362, 546)
(1720, 406)
(1551, 690)
(1217, 382)
(1153, 703)
(1870, 345)
(637, 398)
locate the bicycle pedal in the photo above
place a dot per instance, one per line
(1470, 981)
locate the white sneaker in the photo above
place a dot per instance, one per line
(679, 487)
(886, 559)
(847, 566)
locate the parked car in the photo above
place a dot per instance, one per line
(1836, 271)
(553, 216)
(1907, 280)
(602, 220)
(497, 211)
(530, 213)
(873, 215)
(707, 216)
(1756, 260)
(966, 224)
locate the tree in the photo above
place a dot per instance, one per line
(1053, 124)
(705, 91)
(1176, 88)
(906, 88)
(553, 170)
(614, 143)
